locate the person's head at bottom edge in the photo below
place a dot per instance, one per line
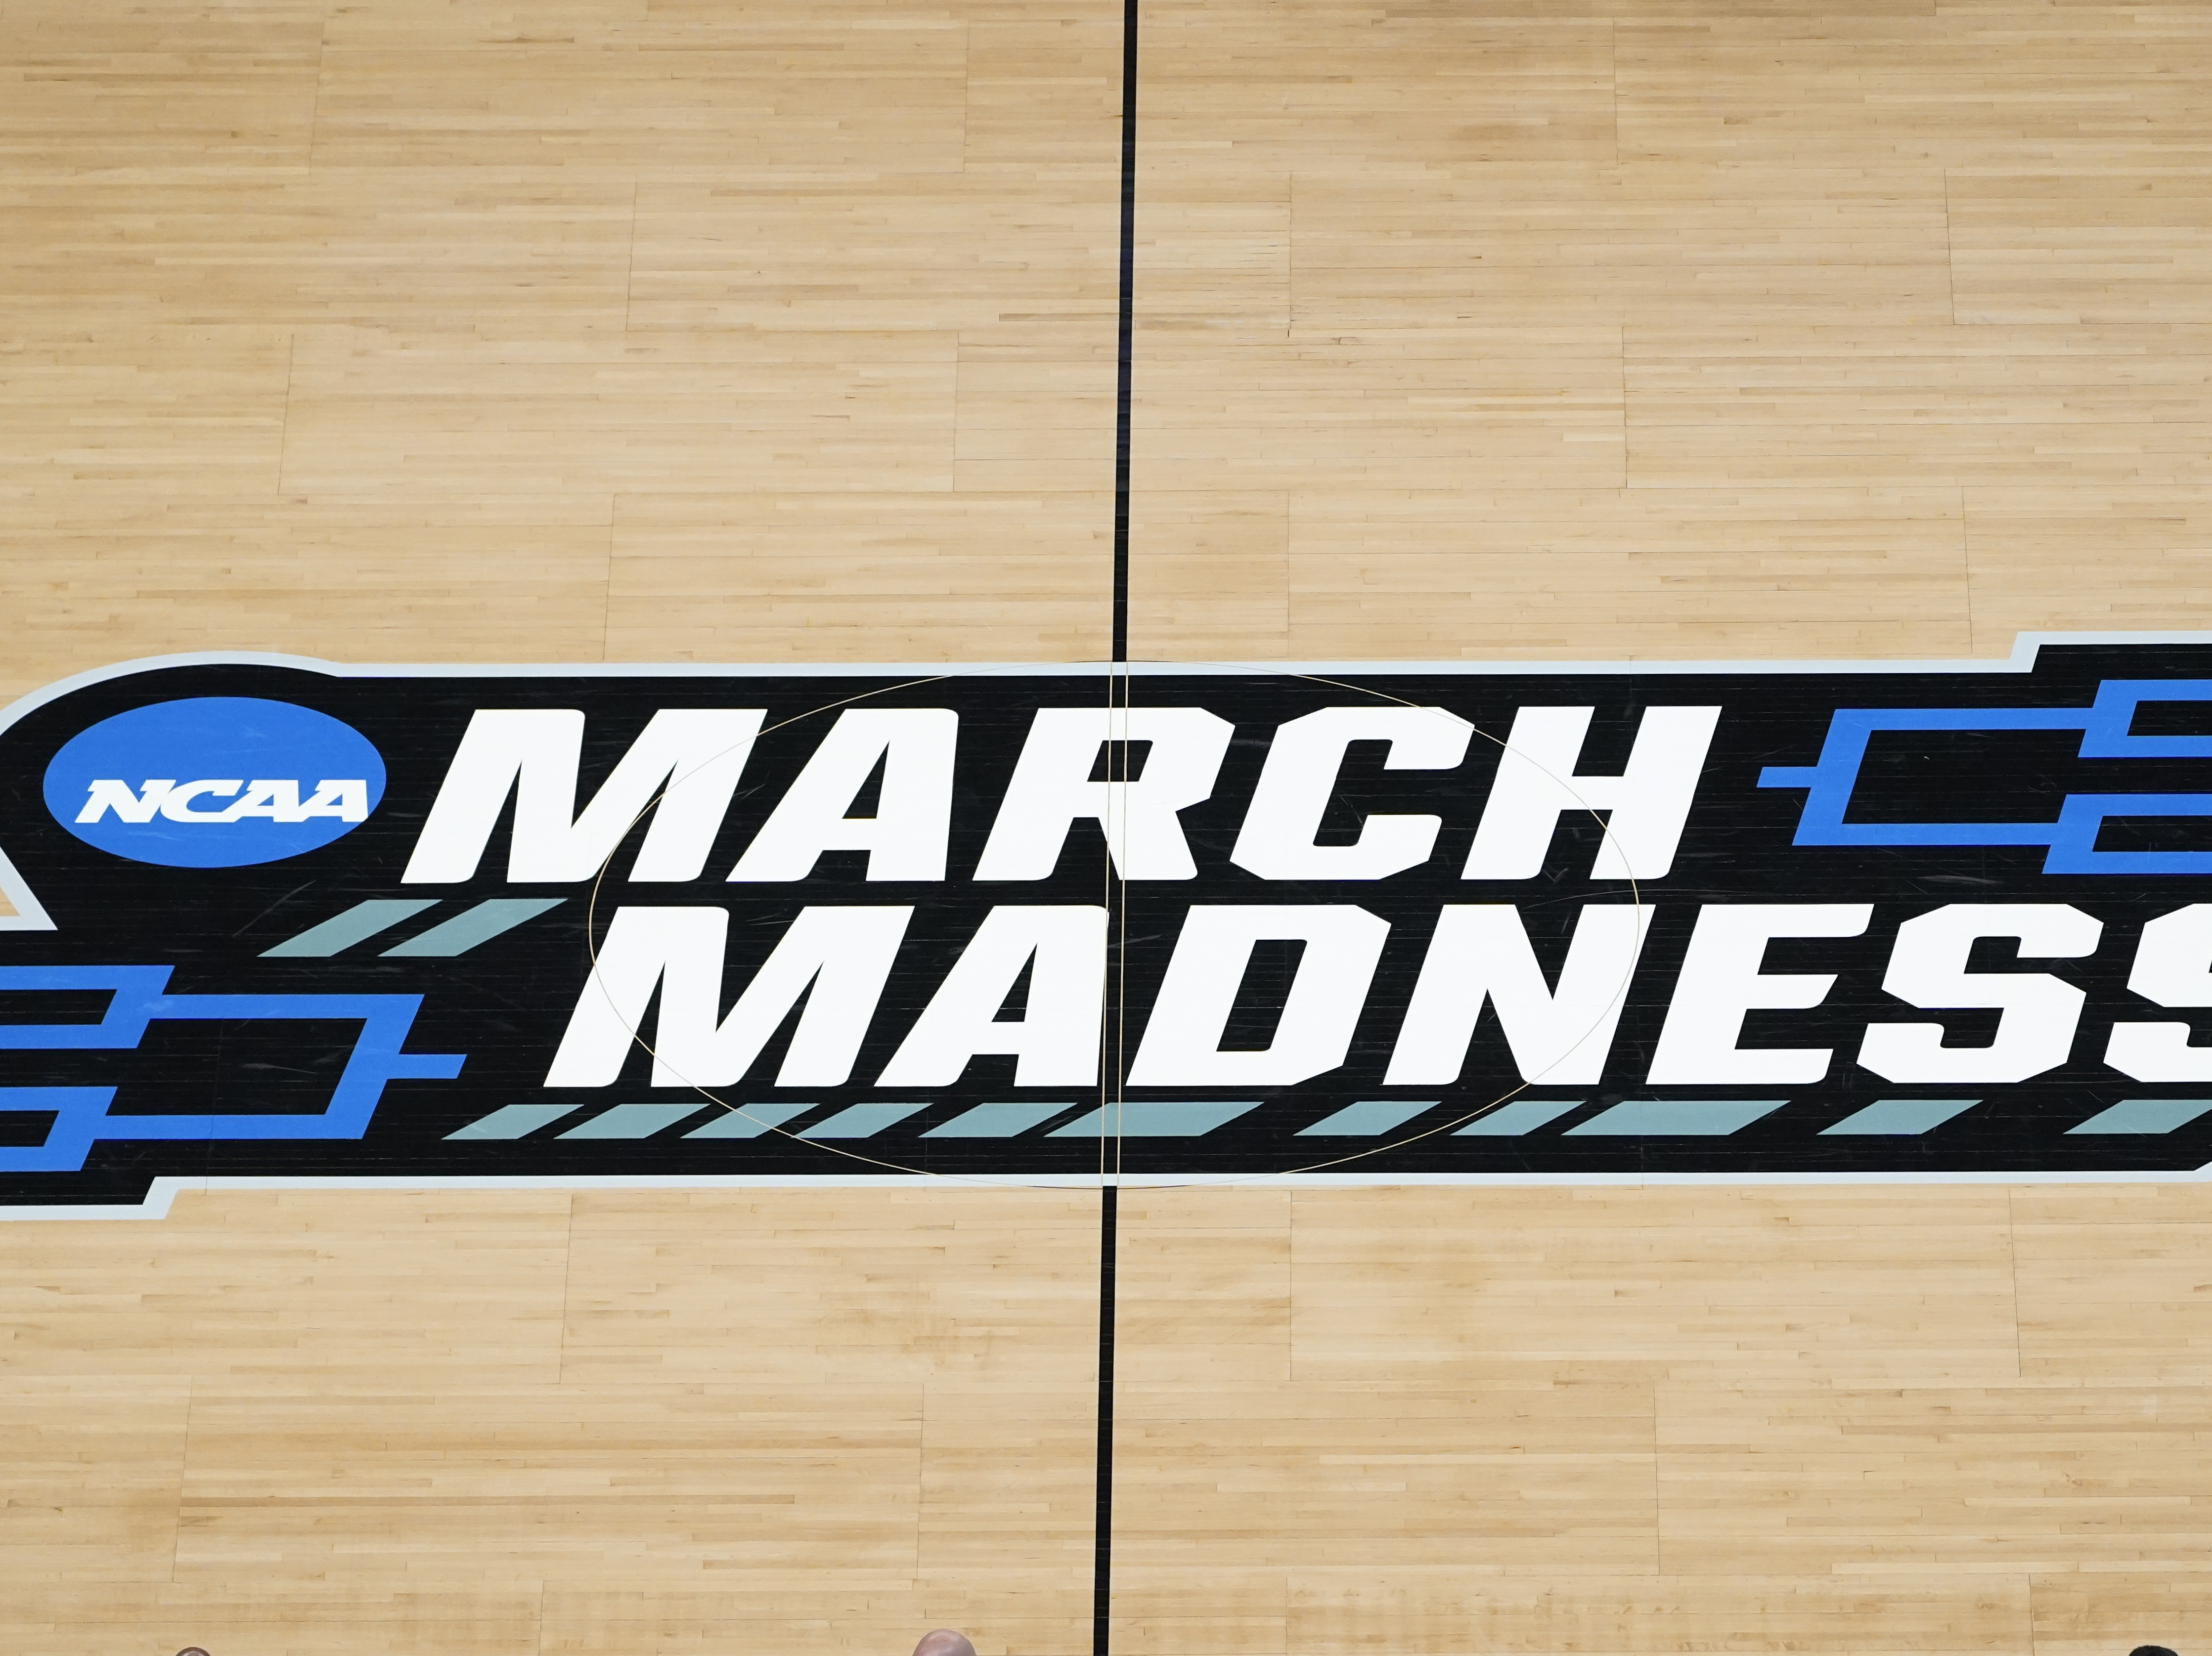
(944, 1642)
(2150, 1650)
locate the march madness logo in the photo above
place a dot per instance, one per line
(281, 920)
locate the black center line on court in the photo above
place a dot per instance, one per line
(1122, 379)
(1102, 1557)
(1102, 1554)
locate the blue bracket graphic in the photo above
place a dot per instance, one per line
(2072, 839)
(81, 1115)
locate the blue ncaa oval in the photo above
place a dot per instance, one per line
(214, 781)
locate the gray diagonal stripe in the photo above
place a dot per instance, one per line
(1902, 1118)
(1522, 1115)
(1368, 1120)
(2146, 1115)
(1151, 1120)
(1668, 1117)
(357, 924)
(478, 924)
(996, 1120)
(514, 1120)
(862, 1121)
(748, 1120)
(635, 1120)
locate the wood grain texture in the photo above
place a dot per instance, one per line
(1661, 1419)
(663, 329)
(401, 331)
(1619, 330)
(495, 1421)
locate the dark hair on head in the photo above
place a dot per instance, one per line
(2140, 1650)
(191, 1650)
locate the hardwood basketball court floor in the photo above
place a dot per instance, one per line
(664, 330)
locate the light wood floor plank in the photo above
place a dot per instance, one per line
(663, 329)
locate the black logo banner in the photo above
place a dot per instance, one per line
(282, 920)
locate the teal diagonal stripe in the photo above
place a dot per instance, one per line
(478, 924)
(514, 1120)
(357, 924)
(863, 1120)
(1902, 1118)
(1371, 1119)
(2146, 1115)
(1522, 1115)
(1151, 1120)
(1666, 1117)
(996, 1120)
(747, 1120)
(634, 1120)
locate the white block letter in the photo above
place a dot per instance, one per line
(177, 803)
(2037, 1011)
(1056, 1038)
(346, 800)
(1482, 950)
(1051, 788)
(278, 799)
(1648, 802)
(1928, 968)
(905, 839)
(1182, 1041)
(688, 759)
(114, 795)
(1277, 840)
(1721, 981)
(838, 958)
(2173, 967)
